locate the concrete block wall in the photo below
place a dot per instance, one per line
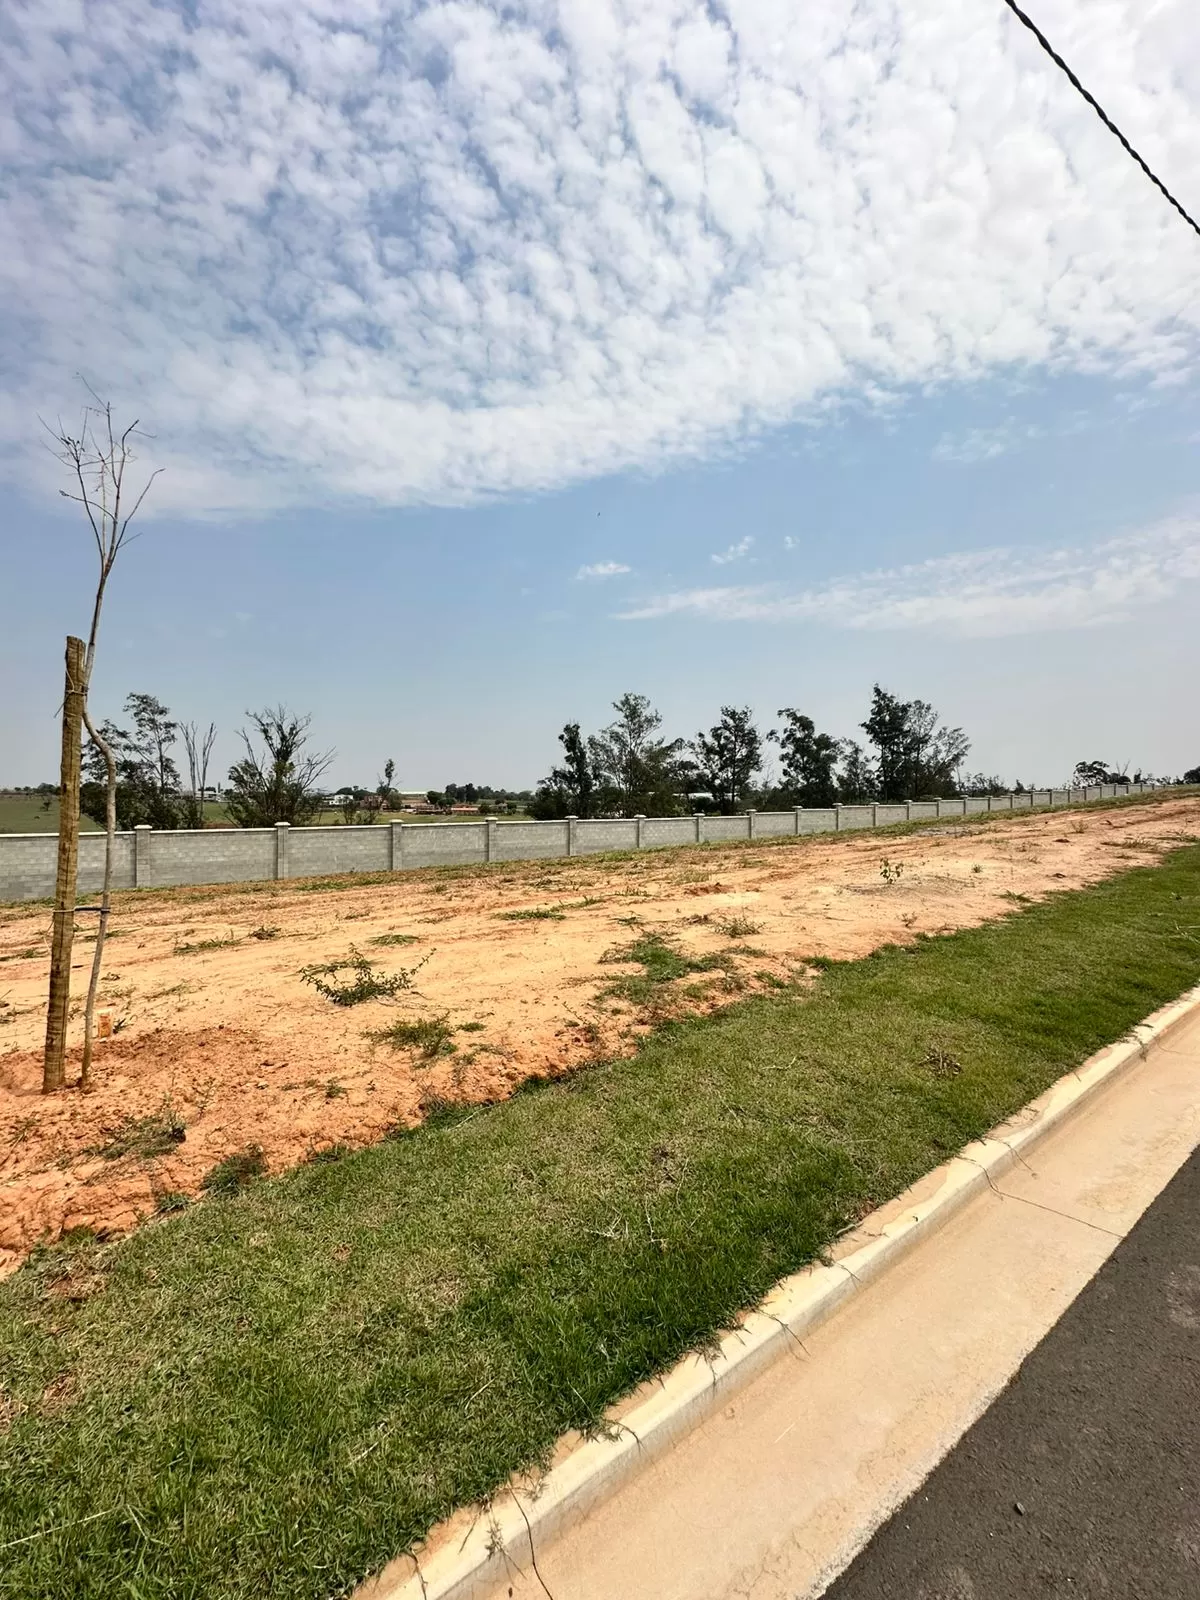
(149, 859)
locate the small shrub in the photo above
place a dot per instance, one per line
(393, 938)
(891, 871)
(265, 931)
(738, 927)
(335, 1090)
(431, 1036)
(236, 1172)
(534, 914)
(364, 982)
(470, 1027)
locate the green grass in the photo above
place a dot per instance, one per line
(533, 914)
(432, 1036)
(272, 1394)
(661, 962)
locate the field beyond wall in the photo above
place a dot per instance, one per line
(526, 969)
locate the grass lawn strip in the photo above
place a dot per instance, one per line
(274, 1393)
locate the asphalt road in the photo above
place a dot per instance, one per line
(1083, 1478)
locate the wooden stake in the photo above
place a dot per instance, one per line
(54, 1067)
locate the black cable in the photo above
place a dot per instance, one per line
(1100, 111)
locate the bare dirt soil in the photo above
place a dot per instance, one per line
(221, 1043)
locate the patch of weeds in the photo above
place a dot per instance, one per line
(363, 983)
(471, 1027)
(236, 1172)
(737, 927)
(661, 963)
(170, 1202)
(335, 1090)
(430, 1035)
(977, 869)
(1017, 899)
(534, 914)
(25, 955)
(891, 871)
(155, 1135)
(393, 938)
(772, 980)
(941, 1063)
(200, 945)
(265, 931)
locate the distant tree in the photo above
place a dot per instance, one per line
(916, 757)
(1192, 775)
(198, 746)
(809, 759)
(277, 783)
(857, 780)
(437, 798)
(570, 789)
(386, 786)
(147, 779)
(635, 770)
(727, 757)
(1088, 774)
(979, 783)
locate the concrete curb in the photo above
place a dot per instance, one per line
(504, 1535)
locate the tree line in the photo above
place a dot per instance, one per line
(630, 768)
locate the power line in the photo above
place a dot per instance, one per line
(1100, 111)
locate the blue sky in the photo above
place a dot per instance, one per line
(501, 362)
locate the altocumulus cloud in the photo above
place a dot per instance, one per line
(398, 252)
(980, 594)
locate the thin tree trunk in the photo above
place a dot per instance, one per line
(110, 830)
(67, 876)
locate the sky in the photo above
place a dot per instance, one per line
(499, 359)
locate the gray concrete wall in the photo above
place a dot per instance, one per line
(146, 859)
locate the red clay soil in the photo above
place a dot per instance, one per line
(220, 1039)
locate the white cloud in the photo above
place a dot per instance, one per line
(980, 594)
(735, 552)
(603, 569)
(397, 252)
